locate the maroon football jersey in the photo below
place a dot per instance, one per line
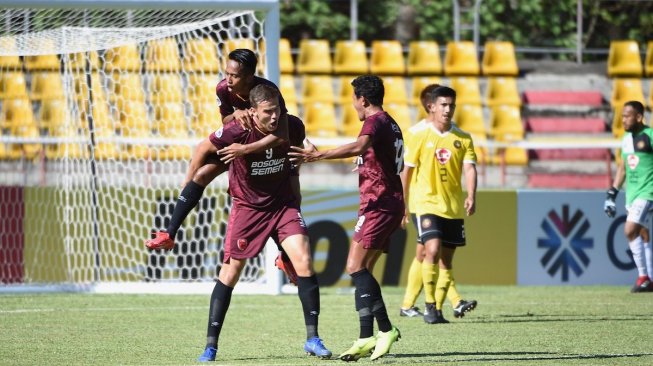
(260, 180)
(229, 101)
(379, 166)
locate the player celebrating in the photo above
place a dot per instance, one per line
(379, 148)
(446, 285)
(637, 153)
(440, 152)
(232, 92)
(264, 206)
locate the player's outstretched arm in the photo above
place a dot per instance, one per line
(406, 176)
(201, 152)
(470, 182)
(311, 154)
(280, 135)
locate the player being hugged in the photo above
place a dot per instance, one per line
(265, 193)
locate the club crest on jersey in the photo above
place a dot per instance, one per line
(242, 244)
(426, 223)
(457, 144)
(633, 160)
(218, 133)
(641, 145)
(443, 155)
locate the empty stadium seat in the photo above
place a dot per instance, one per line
(424, 58)
(69, 150)
(350, 57)
(105, 150)
(46, 85)
(317, 88)
(202, 86)
(468, 90)
(169, 118)
(235, 43)
(292, 108)
(9, 62)
(502, 91)
(650, 96)
(387, 58)
(123, 58)
(286, 63)
(400, 112)
(205, 117)
(320, 119)
(77, 61)
(469, 118)
(648, 63)
(314, 57)
(624, 59)
(165, 88)
(126, 86)
(569, 181)
(136, 150)
(42, 63)
(54, 113)
(351, 124)
(16, 112)
(499, 59)
(617, 123)
(287, 88)
(80, 83)
(506, 123)
(133, 116)
(461, 59)
(101, 117)
(511, 155)
(395, 89)
(624, 90)
(201, 54)
(12, 85)
(162, 55)
(346, 90)
(418, 83)
(27, 150)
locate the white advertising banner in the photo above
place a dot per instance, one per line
(565, 238)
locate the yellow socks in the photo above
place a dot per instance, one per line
(429, 278)
(442, 287)
(453, 295)
(413, 284)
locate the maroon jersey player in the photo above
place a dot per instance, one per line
(264, 206)
(379, 148)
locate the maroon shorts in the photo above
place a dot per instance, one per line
(374, 228)
(248, 229)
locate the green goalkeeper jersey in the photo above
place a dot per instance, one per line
(637, 157)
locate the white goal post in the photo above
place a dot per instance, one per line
(101, 104)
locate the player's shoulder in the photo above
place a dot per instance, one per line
(259, 80)
(459, 132)
(231, 129)
(419, 127)
(222, 86)
(294, 121)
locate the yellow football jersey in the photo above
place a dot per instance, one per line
(438, 162)
(413, 131)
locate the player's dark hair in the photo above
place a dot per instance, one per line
(637, 106)
(423, 95)
(370, 87)
(441, 91)
(262, 93)
(245, 57)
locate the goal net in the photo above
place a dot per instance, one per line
(100, 109)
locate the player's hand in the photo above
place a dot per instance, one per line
(306, 154)
(244, 118)
(470, 206)
(406, 220)
(231, 152)
(609, 206)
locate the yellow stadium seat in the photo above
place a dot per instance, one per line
(650, 96)
(77, 61)
(136, 150)
(424, 58)
(101, 117)
(350, 58)
(314, 57)
(617, 122)
(421, 113)
(235, 43)
(395, 89)
(42, 63)
(16, 112)
(4, 153)
(27, 150)
(502, 91)
(126, 86)
(345, 90)
(317, 88)
(133, 117)
(169, 117)
(461, 59)
(400, 112)
(387, 58)
(166, 88)
(8, 43)
(286, 64)
(648, 63)
(80, 83)
(418, 85)
(162, 55)
(499, 59)
(46, 85)
(468, 90)
(624, 90)
(201, 54)
(69, 150)
(511, 155)
(123, 58)
(293, 108)
(482, 156)
(320, 119)
(351, 124)
(202, 86)
(506, 123)
(105, 150)
(469, 118)
(54, 113)
(287, 88)
(12, 85)
(173, 152)
(205, 117)
(624, 59)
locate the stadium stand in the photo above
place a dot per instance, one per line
(502, 91)
(559, 97)
(350, 58)
(468, 90)
(345, 90)
(320, 119)
(499, 59)
(162, 55)
(287, 88)
(123, 58)
(101, 117)
(401, 114)
(46, 85)
(317, 88)
(12, 85)
(648, 63)
(418, 83)
(58, 151)
(202, 86)
(624, 59)
(506, 123)
(9, 62)
(461, 59)
(234, 43)
(166, 88)
(624, 90)
(424, 58)
(286, 63)
(569, 180)
(53, 114)
(42, 63)
(201, 54)
(126, 86)
(77, 61)
(133, 117)
(387, 58)
(617, 126)
(314, 57)
(580, 125)
(81, 87)
(169, 118)
(395, 89)
(351, 125)
(205, 117)
(25, 150)
(16, 112)
(469, 117)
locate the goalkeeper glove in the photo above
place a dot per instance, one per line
(609, 206)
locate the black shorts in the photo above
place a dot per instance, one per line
(450, 231)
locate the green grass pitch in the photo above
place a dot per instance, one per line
(512, 326)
